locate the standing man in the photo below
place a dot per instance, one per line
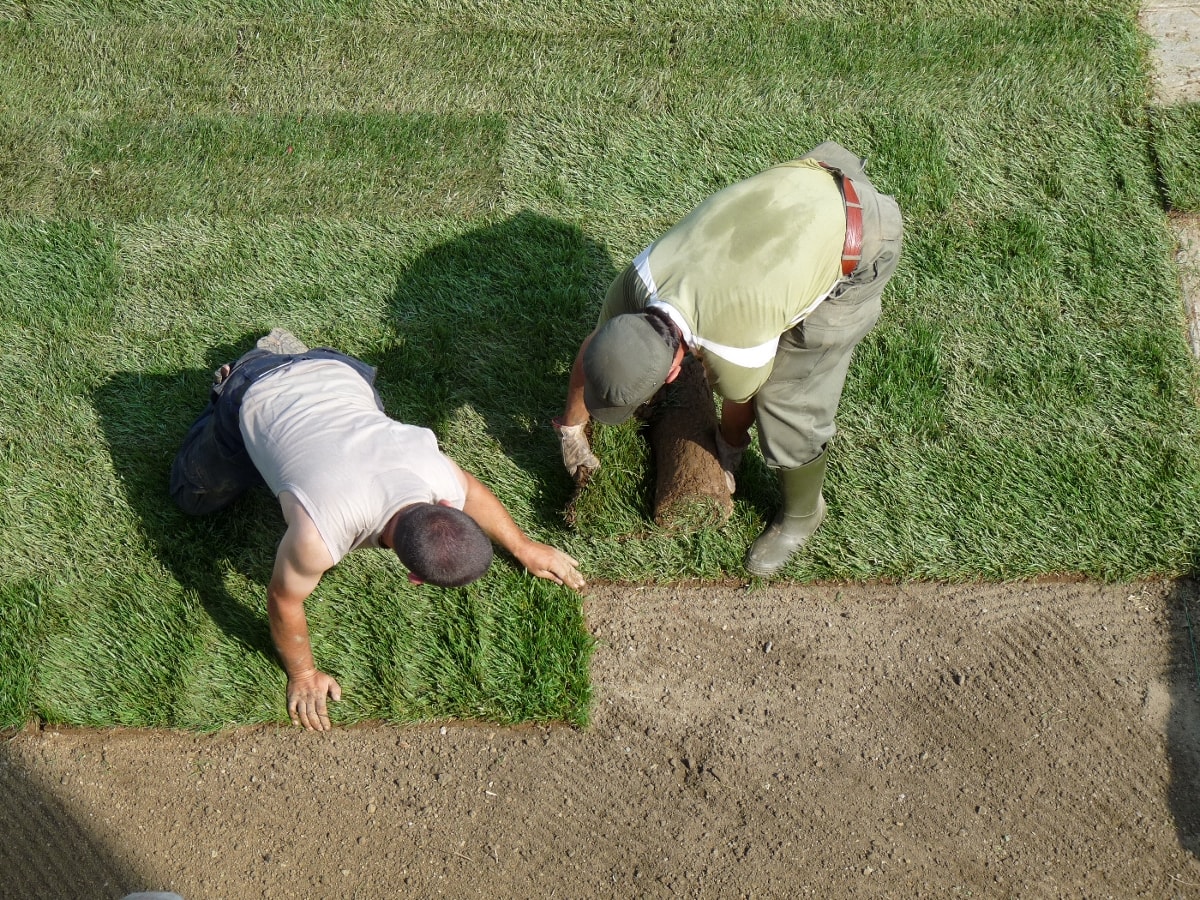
(771, 283)
(310, 424)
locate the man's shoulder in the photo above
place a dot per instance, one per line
(303, 539)
(296, 515)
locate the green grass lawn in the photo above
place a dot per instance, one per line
(447, 194)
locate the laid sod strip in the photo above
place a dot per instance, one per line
(20, 648)
(535, 15)
(1177, 146)
(462, 185)
(506, 650)
(294, 165)
(184, 599)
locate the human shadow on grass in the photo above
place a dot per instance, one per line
(144, 418)
(1183, 715)
(491, 321)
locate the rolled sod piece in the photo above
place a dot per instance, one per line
(690, 488)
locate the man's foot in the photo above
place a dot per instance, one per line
(281, 341)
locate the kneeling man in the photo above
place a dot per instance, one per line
(310, 424)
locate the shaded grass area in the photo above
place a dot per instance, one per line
(462, 185)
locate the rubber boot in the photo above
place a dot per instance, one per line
(802, 513)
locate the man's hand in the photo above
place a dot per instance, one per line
(731, 459)
(733, 436)
(576, 452)
(300, 561)
(547, 562)
(542, 560)
(306, 699)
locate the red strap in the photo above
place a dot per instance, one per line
(852, 248)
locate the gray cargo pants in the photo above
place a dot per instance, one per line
(795, 409)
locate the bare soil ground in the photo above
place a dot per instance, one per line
(1032, 740)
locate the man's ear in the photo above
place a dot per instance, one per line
(676, 364)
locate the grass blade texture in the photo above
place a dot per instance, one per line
(446, 193)
(1177, 144)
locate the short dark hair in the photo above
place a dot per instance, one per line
(665, 328)
(441, 545)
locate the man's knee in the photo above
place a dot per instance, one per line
(203, 478)
(188, 496)
(200, 490)
(195, 502)
(789, 445)
(210, 494)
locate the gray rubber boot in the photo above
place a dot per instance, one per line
(802, 513)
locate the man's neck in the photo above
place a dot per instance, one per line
(387, 537)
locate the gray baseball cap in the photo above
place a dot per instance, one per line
(625, 364)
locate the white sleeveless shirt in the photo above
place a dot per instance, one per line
(313, 429)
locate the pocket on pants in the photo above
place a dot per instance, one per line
(836, 324)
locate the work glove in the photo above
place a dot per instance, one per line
(577, 455)
(731, 459)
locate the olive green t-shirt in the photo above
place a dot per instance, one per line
(742, 268)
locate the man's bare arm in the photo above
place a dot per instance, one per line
(542, 560)
(736, 419)
(575, 411)
(300, 562)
